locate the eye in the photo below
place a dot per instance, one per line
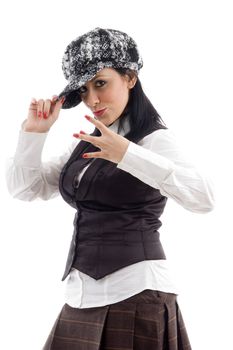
(82, 90)
(100, 83)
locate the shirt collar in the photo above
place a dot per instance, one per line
(125, 127)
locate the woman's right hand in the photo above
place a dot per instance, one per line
(42, 114)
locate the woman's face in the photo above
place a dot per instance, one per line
(107, 94)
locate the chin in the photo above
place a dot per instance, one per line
(107, 120)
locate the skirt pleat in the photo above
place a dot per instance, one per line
(150, 320)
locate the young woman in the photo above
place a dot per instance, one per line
(118, 293)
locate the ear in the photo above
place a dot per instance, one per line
(132, 81)
(131, 78)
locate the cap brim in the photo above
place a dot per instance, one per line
(72, 98)
(71, 90)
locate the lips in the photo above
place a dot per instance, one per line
(100, 112)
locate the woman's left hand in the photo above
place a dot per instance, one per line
(112, 146)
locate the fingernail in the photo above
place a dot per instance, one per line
(84, 155)
(45, 115)
(55, 99)
(76, 135)
(87, 117)
(82, 132)
(39, 114)
(62, 100)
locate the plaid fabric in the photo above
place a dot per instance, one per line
(150, 320)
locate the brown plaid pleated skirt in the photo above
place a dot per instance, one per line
(150, 320)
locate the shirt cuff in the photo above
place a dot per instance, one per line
(146, 165)
(29, 149)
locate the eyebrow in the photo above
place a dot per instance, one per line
(98, 76)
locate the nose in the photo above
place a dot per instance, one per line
(92, 98)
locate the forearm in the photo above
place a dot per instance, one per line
(170, 173)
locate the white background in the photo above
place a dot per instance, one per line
(187, 74)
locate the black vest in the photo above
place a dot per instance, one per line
(117, 218)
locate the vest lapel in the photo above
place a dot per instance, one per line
(75, 164)
(82, 191)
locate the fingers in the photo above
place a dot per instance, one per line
(57, 105)
(93, 155)
(40, 108)
(92, 139)
(33, 107)
(33, 104)
(102, 128)
(44, 108)
(88, 138)
(33, 101)
(95, 140)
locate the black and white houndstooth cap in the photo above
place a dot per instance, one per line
(93, 51)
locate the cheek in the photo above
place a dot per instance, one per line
(120, 96)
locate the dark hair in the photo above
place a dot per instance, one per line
(143, 117)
